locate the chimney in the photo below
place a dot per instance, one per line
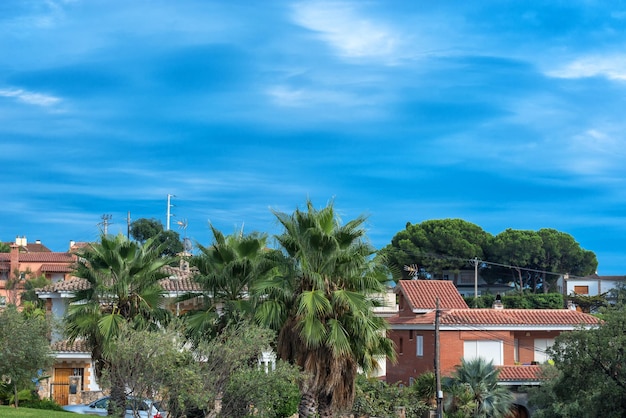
(72, 243)
(184, 264)
(37, 241)
(497, 304)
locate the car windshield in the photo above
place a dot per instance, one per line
(136, 405)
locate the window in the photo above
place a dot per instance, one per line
(3, 301)
(419, 346)
(401, 346)
(77, 371)
(410, 335)
(581, 290)
(487, 349)
(541, 345)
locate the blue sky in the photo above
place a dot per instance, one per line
(505, 114)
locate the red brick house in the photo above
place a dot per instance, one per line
(29, 261)
(515, 339)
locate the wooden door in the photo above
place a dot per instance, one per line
(61, 385)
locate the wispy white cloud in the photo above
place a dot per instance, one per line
(29, 97)
(612, 67)
(298, 97)
(352, 34)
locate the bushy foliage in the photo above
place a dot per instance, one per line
(254, 392)
(473, 390)
(376, 398)
(526, 301)
(45, 404)
(24, 348)
(589, 373)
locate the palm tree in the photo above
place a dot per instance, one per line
(474, 391)
(122, 287)
(322, 309)
(227, 269)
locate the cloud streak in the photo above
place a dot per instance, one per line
(31, 98)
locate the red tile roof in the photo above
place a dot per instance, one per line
(42, 257)
(518, 317)
(422, 294)
(78, 346)
(56, 268)
(519, 373)
(72, 284)
(503, 317)
(178, 281)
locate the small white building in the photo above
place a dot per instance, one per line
(592, 285)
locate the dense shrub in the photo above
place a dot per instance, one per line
(526, 301)
(375, 398)
(46, 404)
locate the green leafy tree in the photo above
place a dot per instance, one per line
(30, 285)
(322, 309)
(238, 346)
(254, 392)
(517, 248)
(226, 271)
(4, 247)
(473, 391)
(435, 245)
(377, 398)
(144, 229)
(24, 349)
(122, 287)
(590, 372)
(562, 254)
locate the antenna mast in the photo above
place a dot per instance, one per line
(169, 214)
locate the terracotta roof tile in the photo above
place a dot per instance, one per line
(47, 258)
(56, 268)
(520, 373)
(178, 281)
(78, 346)
(43, 257)
(504, 317)
(72, 284)
(517, 317)
(422, 294)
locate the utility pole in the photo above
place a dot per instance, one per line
(169, 214)
(437, 367)
(128, 226)
(105, 223)
(475, 262)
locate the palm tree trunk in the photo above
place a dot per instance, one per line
(324, 408)
(308, 405)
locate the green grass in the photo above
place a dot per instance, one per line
(7, 411)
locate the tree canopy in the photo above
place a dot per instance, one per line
(322, 306)
(531, 259)
(24, 348)
(589, 374)
(143, 229)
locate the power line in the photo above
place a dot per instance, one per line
(472, 260)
